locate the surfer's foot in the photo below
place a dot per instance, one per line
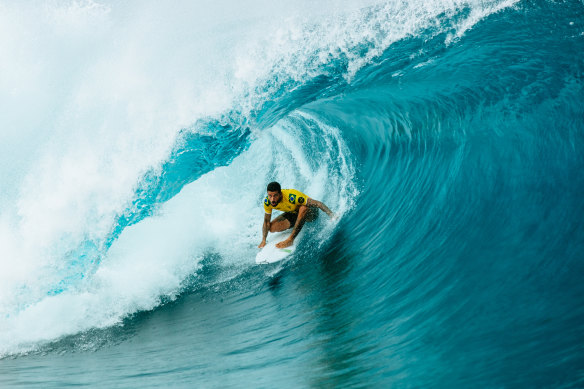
(284, 243)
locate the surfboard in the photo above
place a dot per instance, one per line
(271, 254)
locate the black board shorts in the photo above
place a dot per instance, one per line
(292, 217)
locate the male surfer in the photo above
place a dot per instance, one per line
(298, 208)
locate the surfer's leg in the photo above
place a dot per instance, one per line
(303, 213)
(298, 220)
(280, 223)
(311, 214)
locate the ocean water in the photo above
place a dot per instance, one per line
(136, 141)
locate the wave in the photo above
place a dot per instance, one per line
(155, 155)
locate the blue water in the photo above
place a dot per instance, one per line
(449, 138)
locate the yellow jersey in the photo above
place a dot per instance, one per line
(292, 199)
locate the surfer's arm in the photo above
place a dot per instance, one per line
(265, 229)
(317, 204)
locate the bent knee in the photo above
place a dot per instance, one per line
(302, 210)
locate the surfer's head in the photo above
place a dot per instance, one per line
(274, 193)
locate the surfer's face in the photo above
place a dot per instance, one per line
(274, 197)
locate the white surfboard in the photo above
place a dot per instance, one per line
(271, 254)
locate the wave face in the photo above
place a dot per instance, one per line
(137, 141)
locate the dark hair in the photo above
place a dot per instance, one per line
(274, 187)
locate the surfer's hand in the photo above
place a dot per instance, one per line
(285, 243)
(262, 244)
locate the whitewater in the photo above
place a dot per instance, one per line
(136, 142)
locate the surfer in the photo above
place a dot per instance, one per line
(297, 207)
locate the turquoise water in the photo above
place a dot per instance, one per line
(137, 141)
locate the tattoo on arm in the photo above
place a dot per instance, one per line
(266, 226)
(320, 205)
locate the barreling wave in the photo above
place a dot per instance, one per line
(438, 131)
